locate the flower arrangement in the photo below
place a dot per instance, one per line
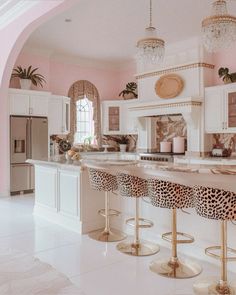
(130, 91)
(28, 74)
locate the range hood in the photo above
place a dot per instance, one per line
(189, 107)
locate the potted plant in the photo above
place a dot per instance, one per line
(130, 91)
(27, 77)
(123, 141)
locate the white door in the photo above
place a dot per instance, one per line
(214, 110)
(38, 105)
(55, 115)
(69, 192)
(46, 187)
(19, 104)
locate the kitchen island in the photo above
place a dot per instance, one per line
(63, 196)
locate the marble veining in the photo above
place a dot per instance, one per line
(113, 141)
(168, 127)
(224, 140)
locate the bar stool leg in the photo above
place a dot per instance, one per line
(107, 234)
(138, 247)
(173, 267)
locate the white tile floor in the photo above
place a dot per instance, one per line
(96, 268)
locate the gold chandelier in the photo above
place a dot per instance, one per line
(151, 49)
(219, 29)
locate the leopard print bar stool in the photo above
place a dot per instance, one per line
(135, 187)
(218, 204)
(165, 194)
(103, 181)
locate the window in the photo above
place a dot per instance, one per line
(84, 120)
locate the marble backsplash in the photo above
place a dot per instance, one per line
(113, 142)
(169, 127)
(225, 140)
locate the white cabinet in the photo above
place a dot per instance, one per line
(220, 109)
(28, 102)
(46, 187)
(69, 191)
(116, 118)
(59, 114)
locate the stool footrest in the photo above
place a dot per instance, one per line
(188, 239)
(209, 252)
(112, 212)
(143, 223)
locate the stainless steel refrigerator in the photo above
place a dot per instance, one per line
(28, 140)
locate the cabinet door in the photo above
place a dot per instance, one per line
(19, 104)
(38, 105)
(55, 115)
(69, 191)
(66, 116)
(214, 110)
(230, 110)
(46, 186)
(20, 177)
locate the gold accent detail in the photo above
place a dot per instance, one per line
(150, 42)
(175, 69)
(138, 247)
(222, 286)
(167, 105)
(107, 234)
(218, 18)
(174, 267)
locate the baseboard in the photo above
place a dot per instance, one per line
(4, 194)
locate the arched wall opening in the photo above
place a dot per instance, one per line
(13, 37)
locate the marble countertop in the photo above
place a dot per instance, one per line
(183, 164)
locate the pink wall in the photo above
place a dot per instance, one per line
(225, 59)
(61, 75)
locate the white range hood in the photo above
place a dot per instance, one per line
(190, 108)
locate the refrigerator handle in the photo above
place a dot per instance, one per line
(28, 148)
(30, 137)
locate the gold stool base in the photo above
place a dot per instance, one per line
(211, 286)
(144, 248)
(176, 270)
(112, 236)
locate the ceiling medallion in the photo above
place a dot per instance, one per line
(219, 30)
(151, 49)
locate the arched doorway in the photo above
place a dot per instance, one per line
(14, 35)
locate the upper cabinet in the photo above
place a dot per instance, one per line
(220, 109)
(116, 118)
(28, 102)
(59, 114)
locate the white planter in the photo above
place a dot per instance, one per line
(123, 148)
(25, 84)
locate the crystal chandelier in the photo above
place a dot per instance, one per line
(150, 49)
(219, 30)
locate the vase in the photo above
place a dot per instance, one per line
(25, 84)
(123, 148)
(128, 96)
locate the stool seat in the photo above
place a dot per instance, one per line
(103, 181)
(165, 194)
(135, 187)
(217, 204)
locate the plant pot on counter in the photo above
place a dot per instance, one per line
(25, 84)
(123, 148)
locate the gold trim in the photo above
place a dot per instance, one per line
(218, 19)
(167, 105)
(175, 69)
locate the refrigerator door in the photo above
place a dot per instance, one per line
(20, 177)
(19, 146)
(39, 138)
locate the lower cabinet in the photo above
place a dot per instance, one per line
(69, 191)
(46, 187)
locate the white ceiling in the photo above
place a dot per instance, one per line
(107, 30)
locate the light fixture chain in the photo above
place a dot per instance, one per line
(150, 24)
